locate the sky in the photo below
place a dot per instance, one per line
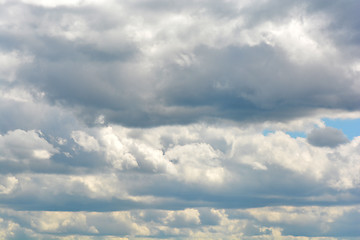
(193, 119)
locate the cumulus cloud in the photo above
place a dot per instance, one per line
(89, 143)
(8, 184)
(209, 165)
(25, 145)
(266, 223)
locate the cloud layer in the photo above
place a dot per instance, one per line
(148, 64)
(155, 119)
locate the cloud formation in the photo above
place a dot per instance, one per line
(175, 120)
(153, 65)
(327, 137)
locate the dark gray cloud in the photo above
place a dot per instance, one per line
(327, 137)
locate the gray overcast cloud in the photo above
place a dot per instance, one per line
(327, 137)
(175, 119)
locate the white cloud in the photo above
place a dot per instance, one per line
(61, 222)
(20, 145)
(262, 223)
(280, 149)
(116, 152)
(300, 36)
(197, 163)
(8, 184)
(97, 186)
(207, 155)
(299, 215)
(346, 162)
(185, 218)
(89, 143)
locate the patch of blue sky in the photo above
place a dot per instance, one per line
(267, 132)
(350, 127)
(296, 134)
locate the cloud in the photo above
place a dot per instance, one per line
(22, 145)
(155, 119)
(138, 71)
(327, 137)
(8, 184)
(264, 222)
(89, 143)
(210, 165)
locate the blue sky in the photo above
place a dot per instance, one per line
(351, 127)
(179, 119)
